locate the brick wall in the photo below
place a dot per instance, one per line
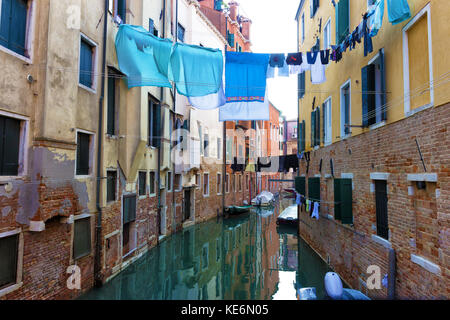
(418, 220)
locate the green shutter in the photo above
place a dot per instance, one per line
(157, 125)
(301, 85)
(111, 130)
(368, 98)
(324, 110)
(129, 209)
(122, 10)
(230, 38)
(300, 185)
(299, 136)
(303, 135)
(313, 128)
(9, 146)
(314, 189)
(346, 198)
(218, 5)
(5, 22)
(317, 131)
(8, 262)
(383, 86)
(342, 20)
(337, 199)
(86, 64)
(13, 25)
(83, 154)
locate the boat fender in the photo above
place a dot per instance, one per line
(333, 285)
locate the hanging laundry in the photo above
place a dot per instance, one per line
(315, 213)
(142, 57)
(197, 71)
(296, 69)
(291, 161)
(398, 11)
(277, 61)
(238, 164)
(298, 199)
(375, 15)
(245, 110)
(368, 46)
(294, 59)
(208, 102)
(308, 203)
(318, 65)
(245, 76)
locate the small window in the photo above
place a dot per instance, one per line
(314, 189)
(169, 181)
(142, 181)
(198, 180)
(327, 36)
(381, 200)
(111, 127)
(154, 123)
(87, 53)
(227, 183)
(345, 109)
(82, 238)
(247, 182)
(9, 146)
(205, 145)
(111, 185)
(219, 148)
(177, 182)
(129, 216)
(219, 183)
(152, 182)
(303, 27)
(118, 9)
(9, 248)
(14, 25)
(343, 200)
(206, 184)
(180, 33)
(83, 154)
(314, 5)
(327, 123)
(240, 183)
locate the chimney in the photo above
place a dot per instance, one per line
(207, 3)
(246, 24)
(233, 10)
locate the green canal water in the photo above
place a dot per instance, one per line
(241, 257)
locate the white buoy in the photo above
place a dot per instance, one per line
(333, 285)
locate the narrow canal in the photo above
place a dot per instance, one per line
(241, 257)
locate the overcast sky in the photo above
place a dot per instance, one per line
(274, 31)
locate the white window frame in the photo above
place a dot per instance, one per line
(406, 77)
(328, 125)
(206, 190)
(92, 89)
(19, 271)
(342, 129)
(199, 185)
(327, 34)
(29, 34)
(23, 144)
(91, 153)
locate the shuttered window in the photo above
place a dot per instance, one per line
(303, 133)
(129, 209)
(83, 153)
(314, 189)
(13, 25)
(9, 247)
(180, 33)
(122, 10)
(111, 113)
(142, 181)
(152, 182)
(300, 185)
(9, 146)
(313, 129)
(86, 63)
(317, 127)
(368, 98)
(343, 201)
(301, 85)
(230, 38)
(218, 5)
(342, 20)
(111, 185)
(154, 123)
(314, 5)
(82, 238)
(381, 200)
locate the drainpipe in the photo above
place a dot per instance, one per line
(98, 229)
(174, 208)
(158, 211)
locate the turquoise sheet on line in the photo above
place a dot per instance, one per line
(151, 61)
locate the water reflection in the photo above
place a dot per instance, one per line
(243, 257)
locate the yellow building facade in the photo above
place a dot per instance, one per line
(416, 70)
